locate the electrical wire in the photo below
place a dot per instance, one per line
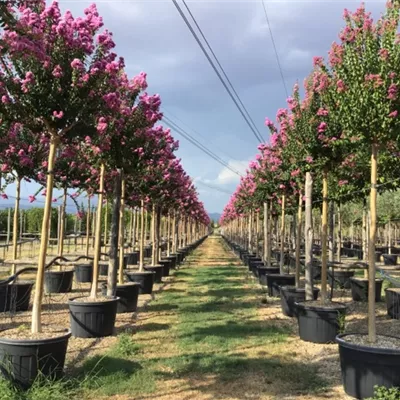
(196, 143)
(222, 68)
(255, 132)
(213, 187)
(275, 49)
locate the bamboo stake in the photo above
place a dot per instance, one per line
(324, 234)
(372, 238)
(97, 236)
(281, 262)
(298, 239)
(142, 233)
(37, 302)
(121, 234)
(87, 227)
(15, 226)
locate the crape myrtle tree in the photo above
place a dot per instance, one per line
(367, 98)
(21, 152)
(56, 77)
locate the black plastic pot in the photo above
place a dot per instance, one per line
(21, 361)
(318, 324)
(84, 273)
(103, 268)
(254, 267)
(251, 260)
(58, 281)
(359, 289)
(145, 280)
(393, 302)
(291, 295)
(172, 259)
(341, 278)
(128, 295)
(363, 367)
(167, 265)
(132, 258)
(390, 259)
(275, 281)
(158, 272)
(147, 251)
(92, 319)
(15, 297)
(263, 271)
(378, 255)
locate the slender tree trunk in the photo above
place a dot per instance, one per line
(153, 235)
(265, 252)
(142, 233)
(390, 236)
(121, 234)
(8, 226)
(250, 232)
(281, 262)
(88, 227)
(157, 234)
(298, 239)
(339, 234)
(62, 224)
(37, 301)
(372, 238)
(309, 236)
(106, 227)
(331, 231)
(97, 236)
(324, 269)
(257, 232)
(113, 261)
(168, 234)
(15, 225)
(146, 219)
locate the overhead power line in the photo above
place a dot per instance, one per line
(196, 143)
(248, 119)
(213, 187)
(275, 49)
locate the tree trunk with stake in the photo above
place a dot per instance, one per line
(121, 234)
(88, 227)
(324, 232)
(97, 236)
(142, 233)
(113, 261)
(282, 234)
(298, 239)
(309, 236)
(15, 224)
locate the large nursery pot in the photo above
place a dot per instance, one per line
(92, 318)
(359, 289)
(263, 271)
(378, 255)
(128, 294)
(251, 260)
(58, 281)
(145, 280)
(22, 361)
(291, 295)
(254, 267)
(365, 366)
(84, 273)
(167, 266)
(390, 259)
(158, 272)
(103, 268)
(392, 296)
(132, 258)
(15, 296)
(340, 278)
(275, 281)
(147, 251)
(318, 323)
(172, 259)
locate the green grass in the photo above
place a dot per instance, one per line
(214, 331)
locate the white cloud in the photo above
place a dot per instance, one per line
(226, 176)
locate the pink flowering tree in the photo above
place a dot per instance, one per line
(56, 77)
(367, 99)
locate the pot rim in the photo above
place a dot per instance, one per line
(293, 289)
(303, 305)
(84, 265)
(139, 272)
(355, 278)
(366, 349)
(154, 266)
(121, 285)
(91, 303)
(30, 342)
(59, 272)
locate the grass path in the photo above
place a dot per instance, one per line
(205, 337)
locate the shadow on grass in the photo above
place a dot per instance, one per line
(107, 375)
(152, 327)
(162, 307)
(255, 376)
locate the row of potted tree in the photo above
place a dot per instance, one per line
(333, 139)
(71, 119)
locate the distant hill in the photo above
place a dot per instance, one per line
(215, 216)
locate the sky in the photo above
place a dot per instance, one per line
(152, 37)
